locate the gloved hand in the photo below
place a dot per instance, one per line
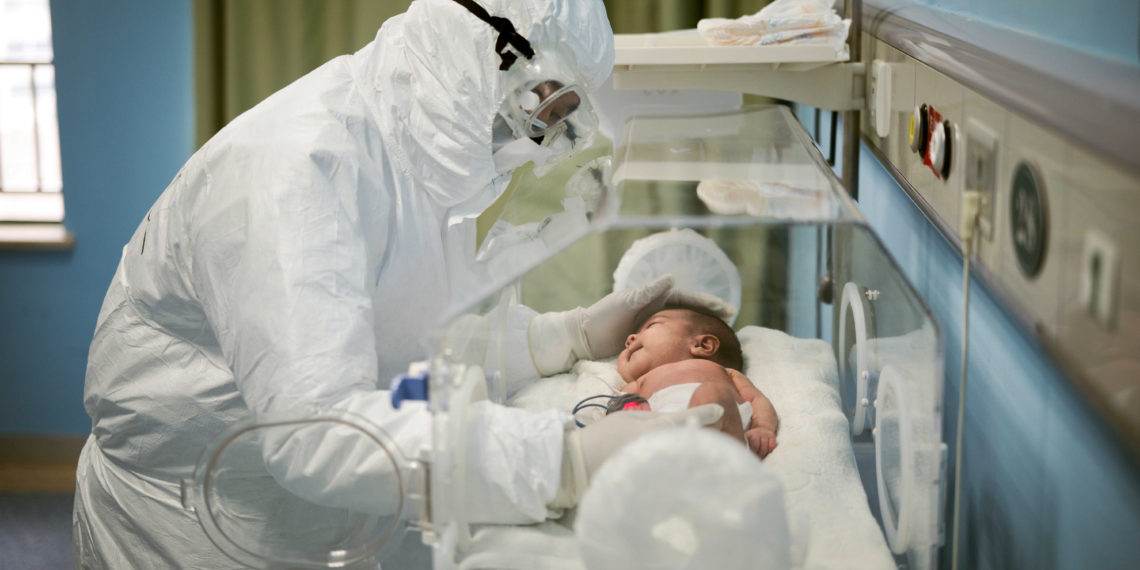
(559, 339)
(584, 450)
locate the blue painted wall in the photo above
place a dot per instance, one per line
(124, 78)
(1108, 28)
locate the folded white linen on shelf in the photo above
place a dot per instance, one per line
(781, 22)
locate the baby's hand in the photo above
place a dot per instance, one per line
(761, 440)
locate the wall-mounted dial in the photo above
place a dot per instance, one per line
(1029, 222)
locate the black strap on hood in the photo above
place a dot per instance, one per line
(507, 34)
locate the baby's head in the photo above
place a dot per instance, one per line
(678, 333)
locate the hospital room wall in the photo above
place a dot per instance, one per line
(125, 103)
(1044, 484)
(1107, 28)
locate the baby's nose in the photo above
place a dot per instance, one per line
(629, 340)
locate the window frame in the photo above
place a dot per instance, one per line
(34, 219)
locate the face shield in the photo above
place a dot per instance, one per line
(544, 106)
(546, 103)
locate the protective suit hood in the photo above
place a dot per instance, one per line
(440, 101)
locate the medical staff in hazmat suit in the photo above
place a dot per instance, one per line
(300, 257)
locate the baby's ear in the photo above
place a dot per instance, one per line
(704, 345)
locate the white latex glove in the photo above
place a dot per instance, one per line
(584, 450)
(559, 339)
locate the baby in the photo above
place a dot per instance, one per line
(679, 352)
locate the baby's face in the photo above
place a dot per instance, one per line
(662, 339)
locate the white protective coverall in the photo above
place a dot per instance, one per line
(298, 259)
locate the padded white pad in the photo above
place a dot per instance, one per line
(827, 506)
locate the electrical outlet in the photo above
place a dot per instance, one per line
(981, 166)
(1099, 269)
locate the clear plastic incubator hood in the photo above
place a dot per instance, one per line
(736, 204)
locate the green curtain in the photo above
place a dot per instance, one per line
(646, 16)
(247, 49)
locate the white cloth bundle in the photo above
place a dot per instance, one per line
(773, 200)
(782, 21)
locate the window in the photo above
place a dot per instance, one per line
(31, 201)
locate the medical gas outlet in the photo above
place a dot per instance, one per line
(931, 137)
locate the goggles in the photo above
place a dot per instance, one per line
(545, 100)
(545, 103)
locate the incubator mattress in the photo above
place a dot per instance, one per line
(830, 522)
(827, 506)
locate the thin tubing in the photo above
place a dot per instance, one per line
(969, 241)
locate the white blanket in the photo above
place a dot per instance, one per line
(827, 506)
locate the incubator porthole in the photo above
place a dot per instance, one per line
(854, 372)
(894, 458)
(261, 522)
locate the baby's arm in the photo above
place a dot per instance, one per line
(761, 433)
(720, 393)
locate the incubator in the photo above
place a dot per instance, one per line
(738, 204)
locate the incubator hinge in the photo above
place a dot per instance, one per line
(826, 290)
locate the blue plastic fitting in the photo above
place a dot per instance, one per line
(408, 387)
